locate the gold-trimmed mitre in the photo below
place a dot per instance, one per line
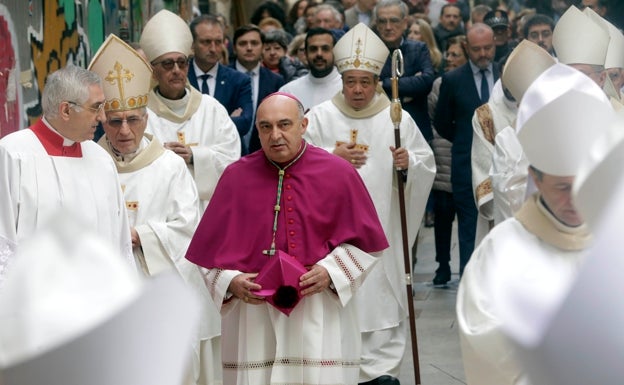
(165, 32)
(578, 39)
(125, 75)
(360, 49)
(525, 63)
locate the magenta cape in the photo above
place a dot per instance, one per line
(324, 203)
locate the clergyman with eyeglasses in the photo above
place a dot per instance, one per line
(53, 169)
(194, 126)
(159, 191)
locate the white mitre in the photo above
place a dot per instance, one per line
(525, 63)
(165, 32)
(600, 174)
(578, 39)
(74, 312)
(560, 116)
(360, 49)
(615, 49)
(125, 75)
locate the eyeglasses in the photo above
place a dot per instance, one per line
(96, 109)
(392, 21)
(132, 122)
(167, 64)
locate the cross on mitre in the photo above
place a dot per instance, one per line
(119, 74)
(358, 146)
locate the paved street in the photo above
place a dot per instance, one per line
(438, 340)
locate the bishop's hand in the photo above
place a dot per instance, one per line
(242, 285)
(351, 154)
(314, 281)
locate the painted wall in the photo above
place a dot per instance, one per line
(38, 37)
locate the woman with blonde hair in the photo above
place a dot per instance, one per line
(420, 30)
(296, 48)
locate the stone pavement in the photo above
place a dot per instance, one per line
(438, 339)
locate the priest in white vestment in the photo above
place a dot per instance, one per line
(530, 260)
(587, 52)
(53, 167)
(356, 126)
(323, 80)
(161, 198)
(525, 63)
(195, 126)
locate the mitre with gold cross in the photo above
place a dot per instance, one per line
(360, 49)
(125, 75)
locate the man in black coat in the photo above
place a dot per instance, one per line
(461, 92)
(418, 74)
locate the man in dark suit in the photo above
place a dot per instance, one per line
(231, 88)
(248, 41)
(461, 92)
(418, 74)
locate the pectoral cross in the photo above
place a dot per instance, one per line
(117, 76)
(182, 139)
(358, 146)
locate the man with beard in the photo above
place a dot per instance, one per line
(462, 91)
(323, 81)
(539, 30)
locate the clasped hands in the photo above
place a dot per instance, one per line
(357, 158)
(181, 149)
(314, 281)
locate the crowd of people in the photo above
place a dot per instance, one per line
(261, 167)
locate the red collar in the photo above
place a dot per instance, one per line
(53, 142)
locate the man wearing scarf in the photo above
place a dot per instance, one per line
(194, 126)
(526, 263)
(297, 203)
(356, 126)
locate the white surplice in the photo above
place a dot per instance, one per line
(205, 125)
(163, 207)
(292, 354)
(382, 300)
(510, 175)
(487, 122)
(311, 90)
(511, 257)
(35, 188)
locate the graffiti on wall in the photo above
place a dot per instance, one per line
(49, 34)
(58, 40)
(9, 88)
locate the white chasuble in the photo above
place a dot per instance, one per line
(511, 258)
(163, 207)
(207, 128)
(385, 287)
(487, 121)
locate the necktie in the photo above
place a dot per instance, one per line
(485, 89)
(204, 85)
(253, 94)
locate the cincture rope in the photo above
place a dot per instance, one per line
(277, 208)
